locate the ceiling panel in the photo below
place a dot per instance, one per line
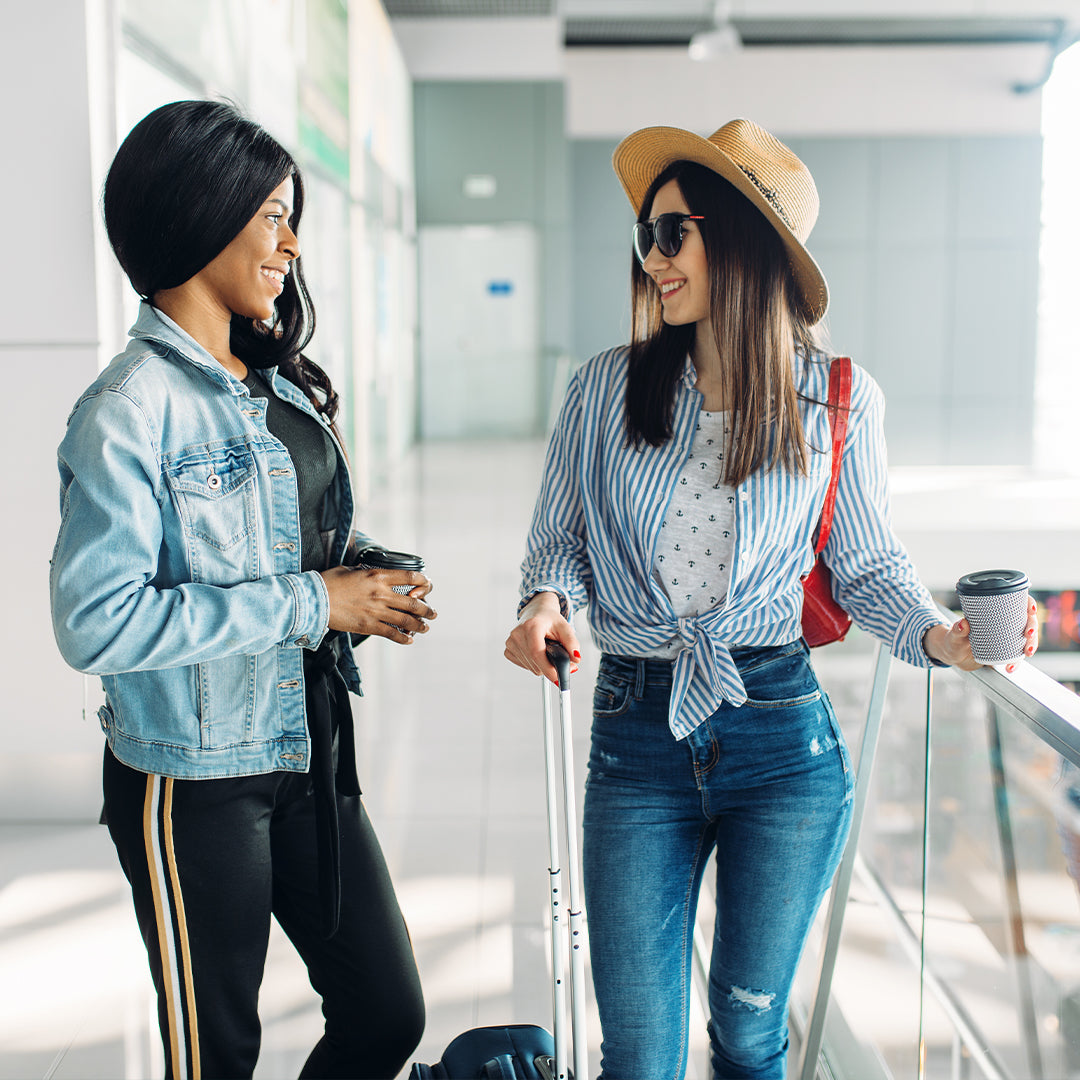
(471, 9)
(615, 31)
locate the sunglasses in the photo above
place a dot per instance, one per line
(665, 231)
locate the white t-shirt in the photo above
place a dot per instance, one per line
(693, 556)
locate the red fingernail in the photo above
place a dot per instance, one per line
(1010, 668)
(1030, 631)
(1030, 650)
(577, 655)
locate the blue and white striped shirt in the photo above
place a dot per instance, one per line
(598, 516)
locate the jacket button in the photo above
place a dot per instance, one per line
(213, 481)
(304, 641)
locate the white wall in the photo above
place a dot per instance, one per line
(74, 85)
(48, 348)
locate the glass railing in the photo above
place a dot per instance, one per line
(950, 944)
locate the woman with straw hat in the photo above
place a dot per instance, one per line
(679, 499)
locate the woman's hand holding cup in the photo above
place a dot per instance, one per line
(1000, 624)
(364, 600)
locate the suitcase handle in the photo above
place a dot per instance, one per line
(568, 930)
(561, 659)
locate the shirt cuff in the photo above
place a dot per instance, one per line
(908, 644)
(565, 608)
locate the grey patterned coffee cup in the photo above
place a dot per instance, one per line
(995, 604)
(380, 558)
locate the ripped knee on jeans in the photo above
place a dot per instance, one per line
(757, 1001)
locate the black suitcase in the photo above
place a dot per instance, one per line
(520, 1052)
(527, 1051)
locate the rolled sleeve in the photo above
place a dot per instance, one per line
(557, 558)
(874, 579)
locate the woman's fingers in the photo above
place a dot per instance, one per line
(527, 645)
(364, 601)
(962, 629)
(1031, 631)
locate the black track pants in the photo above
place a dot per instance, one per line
(209, 861)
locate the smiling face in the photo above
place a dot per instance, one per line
(683, 279)
(249, 275)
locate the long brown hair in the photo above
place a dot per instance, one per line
(758, 325)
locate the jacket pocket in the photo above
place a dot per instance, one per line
(214, 490)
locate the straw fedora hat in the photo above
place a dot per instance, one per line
(754, 162)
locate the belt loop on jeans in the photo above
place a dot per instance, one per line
(639, 678)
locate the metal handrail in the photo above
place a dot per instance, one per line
(1045, 708)
(1052, 714)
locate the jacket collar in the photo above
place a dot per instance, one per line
(155, 326)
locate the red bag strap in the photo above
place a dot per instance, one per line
(839, 408)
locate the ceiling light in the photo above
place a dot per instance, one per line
(721, 40)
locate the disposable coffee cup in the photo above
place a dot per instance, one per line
(381, 559)
(995, 604)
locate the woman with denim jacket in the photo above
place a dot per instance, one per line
(682, 487)
(206, 515)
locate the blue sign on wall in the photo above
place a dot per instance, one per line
(500, 288)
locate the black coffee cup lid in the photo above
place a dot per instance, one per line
(992, 582)
(390, 560)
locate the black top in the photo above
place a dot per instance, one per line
(314, 459)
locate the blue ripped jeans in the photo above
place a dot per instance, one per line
(768, 786)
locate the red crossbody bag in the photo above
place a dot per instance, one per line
(823, 619)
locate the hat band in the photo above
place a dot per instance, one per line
(768, 193)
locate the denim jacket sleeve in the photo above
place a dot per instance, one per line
(115, 605)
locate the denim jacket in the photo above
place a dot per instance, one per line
(176, 572)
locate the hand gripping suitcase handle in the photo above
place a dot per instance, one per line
(561, 659)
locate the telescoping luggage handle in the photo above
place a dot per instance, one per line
(567, 932)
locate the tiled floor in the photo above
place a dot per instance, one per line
(450, 759)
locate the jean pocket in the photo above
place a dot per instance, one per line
(611, 697)
(781, 682)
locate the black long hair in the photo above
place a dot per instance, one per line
(183, 185)
(757, 321)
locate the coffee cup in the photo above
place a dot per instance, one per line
(376, 558)
(995, 604)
